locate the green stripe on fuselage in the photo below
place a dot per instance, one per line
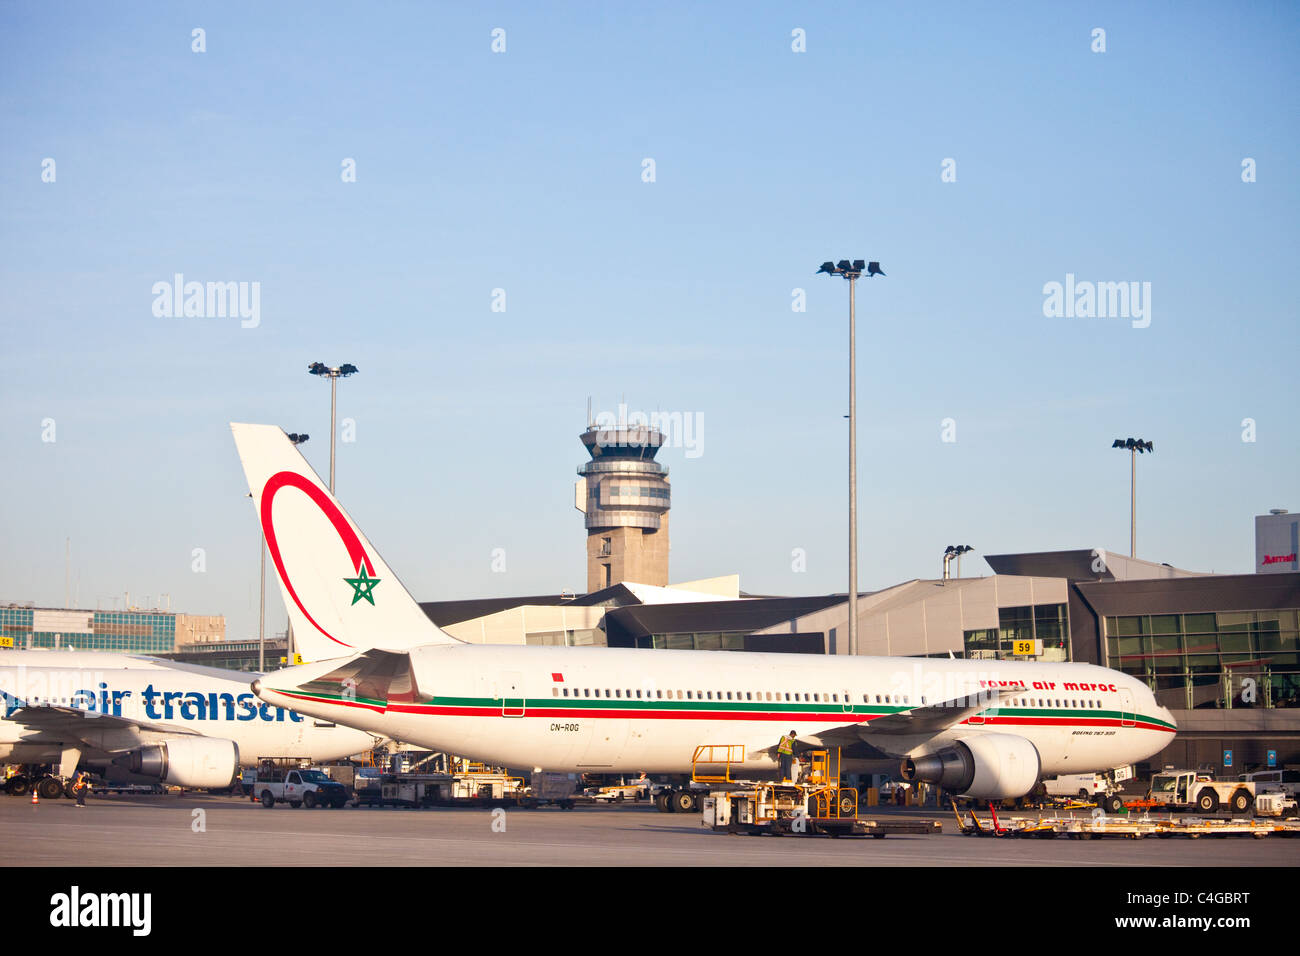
(864, 710)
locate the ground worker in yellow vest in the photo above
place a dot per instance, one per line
(785, 753)
(79, 788)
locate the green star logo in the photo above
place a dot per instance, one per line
(363, 584)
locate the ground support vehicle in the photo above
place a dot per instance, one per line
(1100, 788)
(479, 788)
(1284, 781)
(556, 789)
(1194, 790)
(620, 792)
(814, 805)
(414, 789)
(126, 789)
(282, 780)
(797, 810)
(1274, 805)
(1098, 825)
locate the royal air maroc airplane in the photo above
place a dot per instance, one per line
(986, 729)
(180, 724)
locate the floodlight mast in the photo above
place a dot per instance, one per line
(1135, 447)
(333, 374)
(852, 271)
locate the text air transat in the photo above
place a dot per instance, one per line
(181, 724)
(987, 729)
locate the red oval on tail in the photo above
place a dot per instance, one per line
(356, 552)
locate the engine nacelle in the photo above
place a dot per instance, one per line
(987, 766)
(187, 761)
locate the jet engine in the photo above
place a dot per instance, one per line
(986, 766)
(186, 761)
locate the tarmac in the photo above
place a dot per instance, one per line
(206, 830)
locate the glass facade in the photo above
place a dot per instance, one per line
(142, 632)
(701, 641)
(581, 637)
(1219, 659)
(1049, 623)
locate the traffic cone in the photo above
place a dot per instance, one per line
(34, 800)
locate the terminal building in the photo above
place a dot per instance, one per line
(137, 631)
(1220, 651)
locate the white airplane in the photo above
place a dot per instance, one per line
(180, 724)
(987, 729)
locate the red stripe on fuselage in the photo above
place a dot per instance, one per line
(818, 717)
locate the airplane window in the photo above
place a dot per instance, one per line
(817, 698)
(865, 700)
(566, 692)
(835, 698)
(877, 698)
(688, 695)
(748, 696)
(555, 692)
(617, 692)
(638, 693)
(923, 701)
(728, 695)
(606, 691)
(787, 695)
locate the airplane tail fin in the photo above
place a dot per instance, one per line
(342, 597)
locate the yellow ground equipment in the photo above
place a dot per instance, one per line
(816, 804)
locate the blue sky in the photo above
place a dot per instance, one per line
(522, 171)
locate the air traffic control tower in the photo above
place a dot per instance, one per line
(625, 496)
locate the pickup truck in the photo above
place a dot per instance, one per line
(298, 788)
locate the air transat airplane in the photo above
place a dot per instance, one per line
(180, 724)
(987, 729)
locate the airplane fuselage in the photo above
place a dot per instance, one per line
(191, 699)
(606, 709)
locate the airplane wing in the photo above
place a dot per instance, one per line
(93, 730)
(914, 722)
